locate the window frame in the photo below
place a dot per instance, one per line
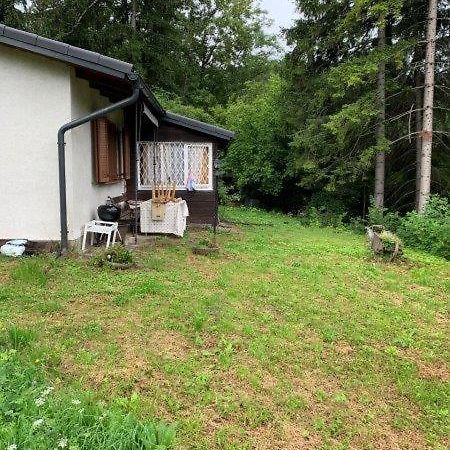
(203, 187)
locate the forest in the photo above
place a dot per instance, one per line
(318, 123)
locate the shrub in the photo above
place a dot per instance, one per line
(390, 241)
(382, 216)
(36, 416)
(429, 231)
(228, 194)
(117, 254)
(324, 210)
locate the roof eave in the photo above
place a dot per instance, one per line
(64, 52)
(199, 126)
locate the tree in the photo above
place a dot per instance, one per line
(380, 164)
(427, 132)
(224, 46)
(335, 104)
(11, 12)
(256, 161)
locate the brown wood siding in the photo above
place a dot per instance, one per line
(201, 204)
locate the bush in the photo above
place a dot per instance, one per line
(382, 216)
(36, 416)
(117, 254)
(228, 194)
(429, 231)
(324, 210)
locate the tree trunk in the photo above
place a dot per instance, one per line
(418, 129)
(133, 15)
(381, 131)
(427, 133)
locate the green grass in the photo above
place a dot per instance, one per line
(290, 338)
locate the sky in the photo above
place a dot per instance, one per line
(282, 12)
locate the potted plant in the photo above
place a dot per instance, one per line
(383, 242)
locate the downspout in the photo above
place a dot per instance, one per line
(62, 156)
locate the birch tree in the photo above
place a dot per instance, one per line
(427, 129)
(380, 163)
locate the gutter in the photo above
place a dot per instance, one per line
(62, 156)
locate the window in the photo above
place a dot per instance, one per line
(175, 162)
(111, 149)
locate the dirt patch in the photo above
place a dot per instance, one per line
(442, 319)
(296, 437)
(208, 271)
(343, 348)
(437, 371)
(4, 278)
(168, 344)
(397, 300)
(389, 439)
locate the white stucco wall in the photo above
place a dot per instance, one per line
(34, 102)
(83, 194)
(38, 95)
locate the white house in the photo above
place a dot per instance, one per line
(49, 193)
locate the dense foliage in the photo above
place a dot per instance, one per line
(257, 158)
(306, 124)
(200, 50)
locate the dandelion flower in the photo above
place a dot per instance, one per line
(11, 447)
(62, 443)
(38, 423)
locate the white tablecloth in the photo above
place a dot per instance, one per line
(174, 219)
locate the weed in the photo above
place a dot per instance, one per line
(35, 416)
(18, 337)
(31, 271)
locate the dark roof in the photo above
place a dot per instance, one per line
(196, 125)
(103, 64)
(64, 52)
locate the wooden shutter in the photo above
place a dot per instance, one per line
(105, 149)
(112, 152)
(101, 150)
(126, 153)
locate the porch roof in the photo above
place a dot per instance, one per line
(196, 125)
(110, 67)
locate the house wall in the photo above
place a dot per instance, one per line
(201, 203)
(34, 102)
(84, 195)
(37, 96)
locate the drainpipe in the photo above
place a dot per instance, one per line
(62, 156)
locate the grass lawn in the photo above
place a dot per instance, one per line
(291, 338)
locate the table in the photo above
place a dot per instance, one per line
(174, 218)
